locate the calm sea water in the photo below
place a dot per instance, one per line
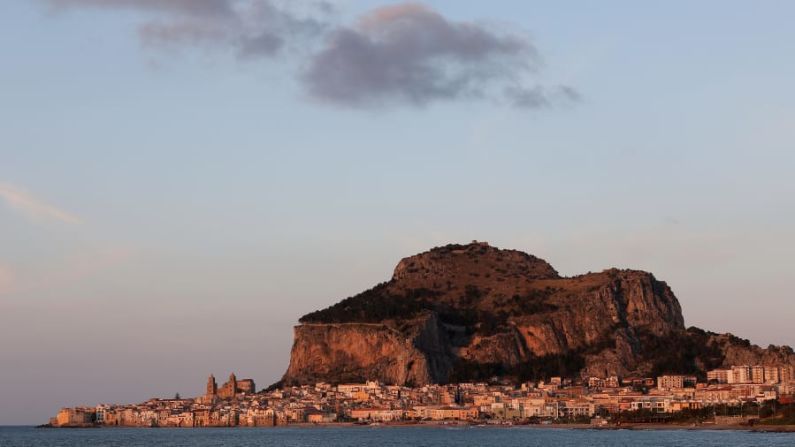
(382, 437)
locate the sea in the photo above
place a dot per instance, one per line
(383, 437)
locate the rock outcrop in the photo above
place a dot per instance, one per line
(475, 312)
(354, 352)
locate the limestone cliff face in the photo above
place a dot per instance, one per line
(351, 352)
(475, 312)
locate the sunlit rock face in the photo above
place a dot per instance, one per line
(475, 312)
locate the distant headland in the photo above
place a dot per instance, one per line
(479, 334)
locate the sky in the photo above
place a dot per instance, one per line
(181, 180)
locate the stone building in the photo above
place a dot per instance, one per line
(74, 417)
(230, 389)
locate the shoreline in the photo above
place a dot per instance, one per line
(468, 425)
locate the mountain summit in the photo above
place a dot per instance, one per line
(475, 312)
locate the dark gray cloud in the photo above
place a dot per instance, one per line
(404, 53)
(250, 28)
(408, 53)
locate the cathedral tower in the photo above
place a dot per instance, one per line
(212, 387)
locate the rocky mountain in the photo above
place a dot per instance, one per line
(475, 312)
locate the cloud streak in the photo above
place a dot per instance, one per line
(401, 54)
(34, 208)
(250, 28)
(192, 7)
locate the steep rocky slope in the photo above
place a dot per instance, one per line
(475, 312)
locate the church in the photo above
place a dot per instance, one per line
(231, 389)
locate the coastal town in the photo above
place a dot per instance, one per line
(726, 395)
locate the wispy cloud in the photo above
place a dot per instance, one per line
(249, 28)
(400, 54)
(33, 207)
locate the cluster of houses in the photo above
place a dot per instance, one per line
(237, 404)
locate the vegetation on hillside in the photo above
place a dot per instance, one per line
(681, 352)
(373, 306)
(379, 304)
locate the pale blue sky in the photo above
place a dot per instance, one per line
(171, 213)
